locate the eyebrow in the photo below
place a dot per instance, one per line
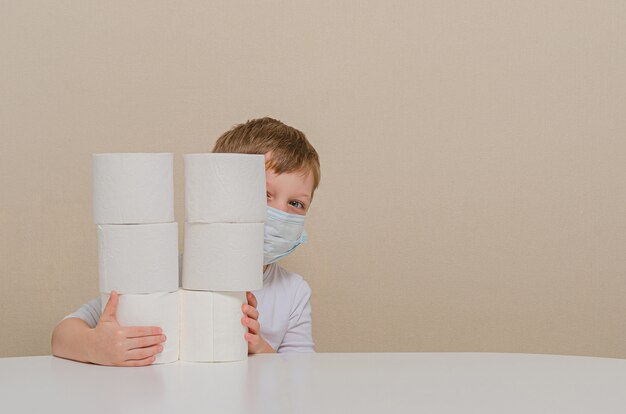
(304, 195)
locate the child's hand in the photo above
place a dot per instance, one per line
(129, 346)
(256, 344)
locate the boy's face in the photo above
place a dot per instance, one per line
(289, 192)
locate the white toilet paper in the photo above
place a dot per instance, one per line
(223, 256)
(211, 328)
(138, 258)
(155, 309)
(131, 188)
(225, 188)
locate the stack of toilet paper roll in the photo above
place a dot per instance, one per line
(225, 206)
(133, 206)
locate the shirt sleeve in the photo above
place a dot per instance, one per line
(89, 312)
(299, 335)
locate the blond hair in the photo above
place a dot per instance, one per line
(289, 148)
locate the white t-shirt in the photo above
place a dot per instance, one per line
(284, 305)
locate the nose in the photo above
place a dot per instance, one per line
(274, 203)
(277, 205)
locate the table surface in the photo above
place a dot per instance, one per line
(322, 383)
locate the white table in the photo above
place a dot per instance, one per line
(322, 383)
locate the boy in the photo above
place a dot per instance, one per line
(278, 316)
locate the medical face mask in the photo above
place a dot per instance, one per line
(283, 233)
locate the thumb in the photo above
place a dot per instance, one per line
(108, 314)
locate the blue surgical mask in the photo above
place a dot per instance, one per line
(283, 233)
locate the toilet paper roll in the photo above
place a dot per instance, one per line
(131, 188)
(225, 188)
(211, 328)
(160, 309)
(223, 256)
(138, 258)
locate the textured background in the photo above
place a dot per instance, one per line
(473, 157)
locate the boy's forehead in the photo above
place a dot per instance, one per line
(300, 182)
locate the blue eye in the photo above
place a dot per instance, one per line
(296, 204)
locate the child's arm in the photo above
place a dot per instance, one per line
(256, 343)
(108, 343)
(69, 340)
(299, 335)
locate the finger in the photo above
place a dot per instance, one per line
(137, 331)
(251, 299)
(137, 362)
(144, 341)
(143, 353)
(252, 338)
(108, 314)
(252, 324)
(250, 311)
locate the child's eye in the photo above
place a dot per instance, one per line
(268, 195)
(296, 204)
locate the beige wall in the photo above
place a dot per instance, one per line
(473, 157)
